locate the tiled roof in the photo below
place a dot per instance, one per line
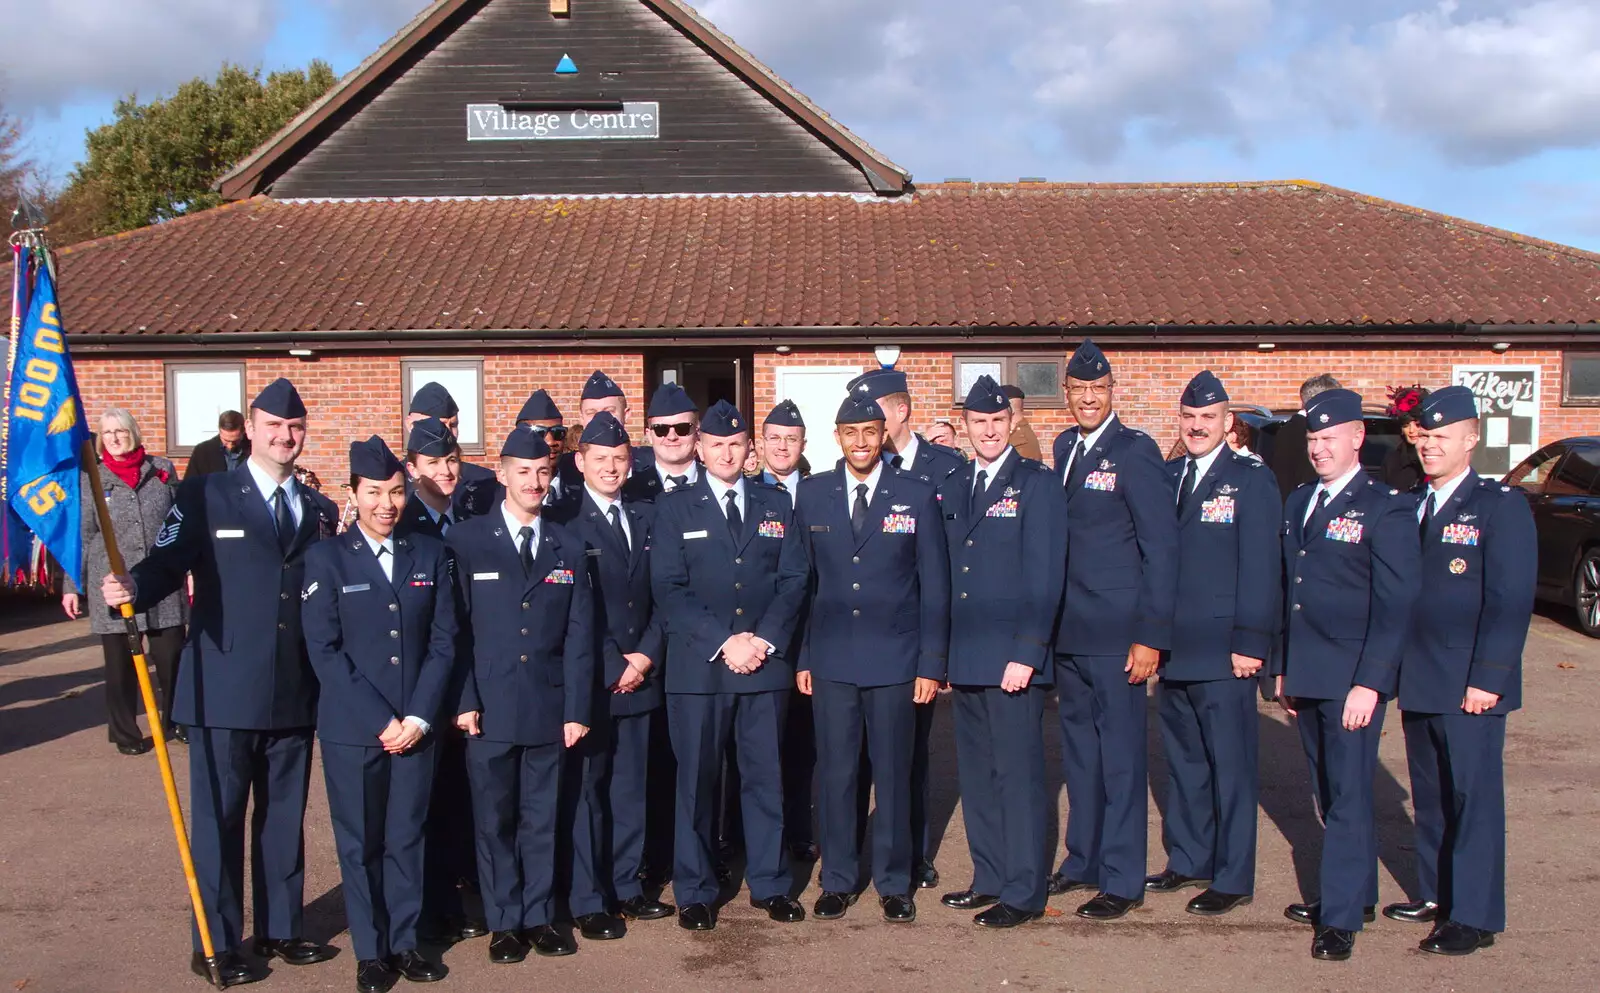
(956, 255)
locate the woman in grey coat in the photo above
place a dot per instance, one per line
(139, 491)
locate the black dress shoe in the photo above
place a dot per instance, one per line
(232, 966)
(452, 931)
(178, 733)
(1167, 881)
(600, 927)
(1333, 944)
(506, 947)
(642, 908)
(697, 917)
(1450, 938)
(1060, 884)
(413, 967)
(925, 875)
(1412, 911)
(468, 928)
(1106, 907)
(804, 851)
(1307, 913)
(897, 909)
(831, 906)
(375, 976)
(1003, 916)
(546, 940)
(1215, 903)
(294, 951)
(781, 909)
(967, 900)
(138, 749)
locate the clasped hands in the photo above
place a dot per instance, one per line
(745, 653)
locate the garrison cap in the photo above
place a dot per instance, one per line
(435, 401)
(280, 399)
(722, 420)
(525, 443)
(1012, 392)
(858, 409)
(786, 415)
(539, 408)
(430, 437)
(1332, 407)
(600, 386)
(1204, 390)
(986, 397)
(879, 383)
(1088, 362)
(371, 459)
(669, 400)
(604, 430)
(1447, 406)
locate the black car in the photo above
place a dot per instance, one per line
(1383, 433)
(1562, 481)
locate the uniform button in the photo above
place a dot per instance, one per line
(966, 568)
(286, 567)
(1299, 579)
(394, 634)
(630, 602)
(738, 561)
(1297, 606)
(283, 596)
(963, 596)
(1302, 553)
(739, 611)
(523, 631)
(737, 586)
(855, 586)
(394, 660)
(855, 613)
(394, 606)
(969, 542)
(283, 627)
(523, 658)
(631, 630)
(524, 605)
(856, 559)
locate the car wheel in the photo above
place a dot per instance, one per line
(1586, 593)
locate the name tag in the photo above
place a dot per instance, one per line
(229, 533)
(820, 529)
(1003, 508)
(561, 577)
(1344, 529)
(357, 588)
(1217, 511)
(482, 576)
(1459, 534)
(689, 535)
(770, 529)
(593, 553)
(1105, 482)
(899, 524)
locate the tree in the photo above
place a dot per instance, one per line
(157, 160)
(14, 165)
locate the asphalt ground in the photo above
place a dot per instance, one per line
(92, 898)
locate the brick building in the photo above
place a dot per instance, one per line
(511, 193)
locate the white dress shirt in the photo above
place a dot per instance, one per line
(605, 506)
(516, 527)
(1202, 465)
(268, 486)
(691, 473)
(438, 515)
(791, 482)
(1441, 494)
(851, 482)
(383, 548)
(1333, 490)
(719, 491)
(1089, 441)
(907, 455)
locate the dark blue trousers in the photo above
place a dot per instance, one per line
(1209, 732)
(379, 806)
(1343, 764)
(227, 770)
(885, 716)
(1000, 766)
(608, 838)
(449, 852)
(1458, 791)
(701, 726)
(799, 765)
(1103, 761)
(516, 792)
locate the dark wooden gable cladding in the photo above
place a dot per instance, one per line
(718, 133)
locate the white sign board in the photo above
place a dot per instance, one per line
(817, 391)
(1508, 414)
(199, 396)
(492, 122)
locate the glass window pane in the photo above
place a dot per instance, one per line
(1531, 474)
(1577, 474)
(1583, 377)
(199, 396)
(968, 371)
(1038, 379)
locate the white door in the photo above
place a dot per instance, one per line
(817, 391)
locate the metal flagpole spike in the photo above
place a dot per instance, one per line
(27, 216)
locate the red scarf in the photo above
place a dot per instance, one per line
(128, 467)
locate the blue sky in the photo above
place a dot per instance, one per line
(1485, 109)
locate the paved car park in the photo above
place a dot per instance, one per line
(91, 898)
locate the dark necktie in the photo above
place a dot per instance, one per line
(526, 554)
(1429, 509)
(1080, 468)
(858, 510)
(735, 522)
(978, 489)
(897, 463)
(616, 525)
(1319, 517)
(679, 482)
(1186, 488)
(283, 520)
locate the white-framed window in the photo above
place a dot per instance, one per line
(464, 379)
(197, 394)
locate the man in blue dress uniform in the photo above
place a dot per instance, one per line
(672, 423)
(875, 646)
(1460, 676)
(907, 451)
(1351, 558)
(601, 393)
(244, 683)
(541, 414)
(476, 482)
(729, 575)
(1122, 580)
(379, 614)
(528, 694)
(1006, 525)
(609, 837)
(1229, 611)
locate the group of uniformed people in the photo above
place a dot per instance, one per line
(590, 669)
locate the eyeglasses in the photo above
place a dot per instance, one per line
(1088, 391)
(682, 430)
(556, 433)
(118, 433)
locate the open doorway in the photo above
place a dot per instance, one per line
(706, 375)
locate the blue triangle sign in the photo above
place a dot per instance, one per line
(566, 66)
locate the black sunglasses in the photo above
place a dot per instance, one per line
(558, 433)
(681, 430)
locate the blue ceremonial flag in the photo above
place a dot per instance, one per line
(46, 431)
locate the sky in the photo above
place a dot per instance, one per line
(1485, 109)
